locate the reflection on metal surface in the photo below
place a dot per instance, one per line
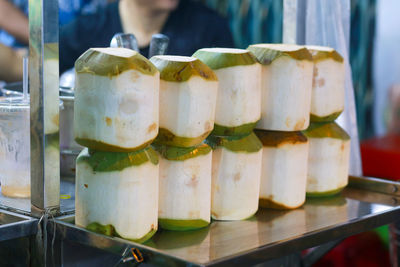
(23, 205)
(14, 226)
(269, 234)
(43, 82)
(376, 185)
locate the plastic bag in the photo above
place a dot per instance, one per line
(327, 23)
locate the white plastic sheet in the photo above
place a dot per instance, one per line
(327, 23)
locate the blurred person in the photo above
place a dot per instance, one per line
(14, 29)
(10, 64)
(189, 25)
(14, 24)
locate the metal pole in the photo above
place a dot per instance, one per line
(44, 109)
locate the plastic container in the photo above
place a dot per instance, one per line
(14, 145)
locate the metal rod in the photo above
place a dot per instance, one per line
(44, 107)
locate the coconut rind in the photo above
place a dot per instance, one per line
(327, 53)
(278, 138)
(326, 130)
(267, 55)
(93, 61)
(182, 225)
(181, 153)
(166, 137)
(240, 130)
(101, 161)
(249, 143)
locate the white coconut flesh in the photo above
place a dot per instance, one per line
(284, 174)
(120, 111)
(235, 184)
(187, 109)
(239, 94)
(185, 188)
(328, 164)
(127, 199)
(286, 94)
(239, 91)
(328, 82)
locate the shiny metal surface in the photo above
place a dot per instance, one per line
(375, 185)
(43, 82)
(15, 226)
(269, 234)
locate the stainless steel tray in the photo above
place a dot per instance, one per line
(14, 225)
(269, 234)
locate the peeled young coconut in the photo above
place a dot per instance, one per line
(284, 169)
(116, 100)
(185, 187)
(286, 82)
(236, 171)
(188, 95)
(327, 100)
(117, 193)
(239, 92)
(328, 159)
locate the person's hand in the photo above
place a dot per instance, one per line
(11, 63)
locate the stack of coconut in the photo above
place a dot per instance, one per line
(236, 166)
(329, 149)
(116, 118)
(188, 94)
(123, 104)
(297, 82)
(286, 95)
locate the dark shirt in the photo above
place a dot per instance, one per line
(190, 27)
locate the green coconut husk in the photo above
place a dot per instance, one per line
(106, 62)
(101, 161)
(247, 144)
(181, 71)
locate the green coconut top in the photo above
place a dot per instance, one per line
(112, 62)
(326, 130)
(323, 52)
(218, 58)
(278, 138)
(267, 53)
(181, 153)
(180, 69)
(249, 143)
(116, 161)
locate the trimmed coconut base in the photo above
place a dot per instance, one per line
(326, 193)
(182, 225)
(240, 130)
(166, 137)
(332, 117)
(270, 204)
(109, 230)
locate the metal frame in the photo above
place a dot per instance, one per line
(44, 97)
